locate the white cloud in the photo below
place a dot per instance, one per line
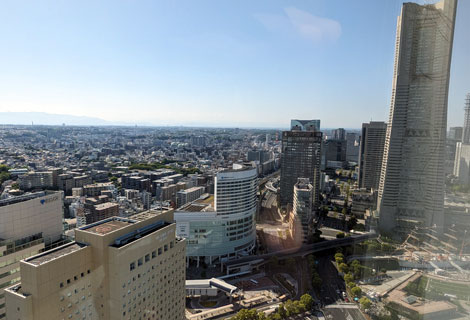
(313, 28)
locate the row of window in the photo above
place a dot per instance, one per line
(153, 255)
(75, 278)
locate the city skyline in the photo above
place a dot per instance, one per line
(158, 64)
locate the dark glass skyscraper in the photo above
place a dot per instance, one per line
(301, 157)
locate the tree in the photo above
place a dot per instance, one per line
(339, 255)
(15, 186)
(352, 222)
(282, 311)
(356, 268)
(365, 303)
(348, 277)
(307, 301)
(246, 314)
(316, 281)
(343, 267)
(356, 291)
(340, 235)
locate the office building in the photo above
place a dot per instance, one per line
(188, 195)
(36, 180)
(222, 226)
(27, 223)
(455, 133)
(334, 153)
(259, 155)
(363, 200)
(371, 154)
(352, 147)
(338, 134)
(462, 163)
(466, 121)
(301, 158)
(411, 191)
(302, 209)
(305, 125)
(96, 209)
(115, 269)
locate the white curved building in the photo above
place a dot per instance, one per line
(224, 227)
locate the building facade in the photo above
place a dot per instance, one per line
(411, 191)
(301, 158)
(303, 205)
(466, 121)
(223, 226)
(305, 125)
(371, 154)
(116, 269)
(188, 195)
(462, 163)
(27, 223)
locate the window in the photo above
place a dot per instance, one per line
(132, 266)
(139, 262)
(147, 258)
(154, 254)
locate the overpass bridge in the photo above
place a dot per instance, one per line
(255, 261)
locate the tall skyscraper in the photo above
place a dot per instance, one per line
(301, 158)
(339, 134)
(411, 192)
(371, 154)
(466, 121)
(115, 269)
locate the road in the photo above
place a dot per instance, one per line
(333, 284)
(346, 312)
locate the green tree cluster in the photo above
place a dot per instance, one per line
(365, 303)
(4, 174)
(316, 279)
(285, 310)
(340, 235)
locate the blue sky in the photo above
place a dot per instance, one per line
(223, 63)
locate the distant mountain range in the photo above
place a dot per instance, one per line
(43, 118)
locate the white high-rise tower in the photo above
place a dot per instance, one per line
(411, 190)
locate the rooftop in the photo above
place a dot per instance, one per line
(47, 256)
(24, 197)
(107, 225)
(201, 204)
(139, 233)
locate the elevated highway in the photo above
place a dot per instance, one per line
(258, 260)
